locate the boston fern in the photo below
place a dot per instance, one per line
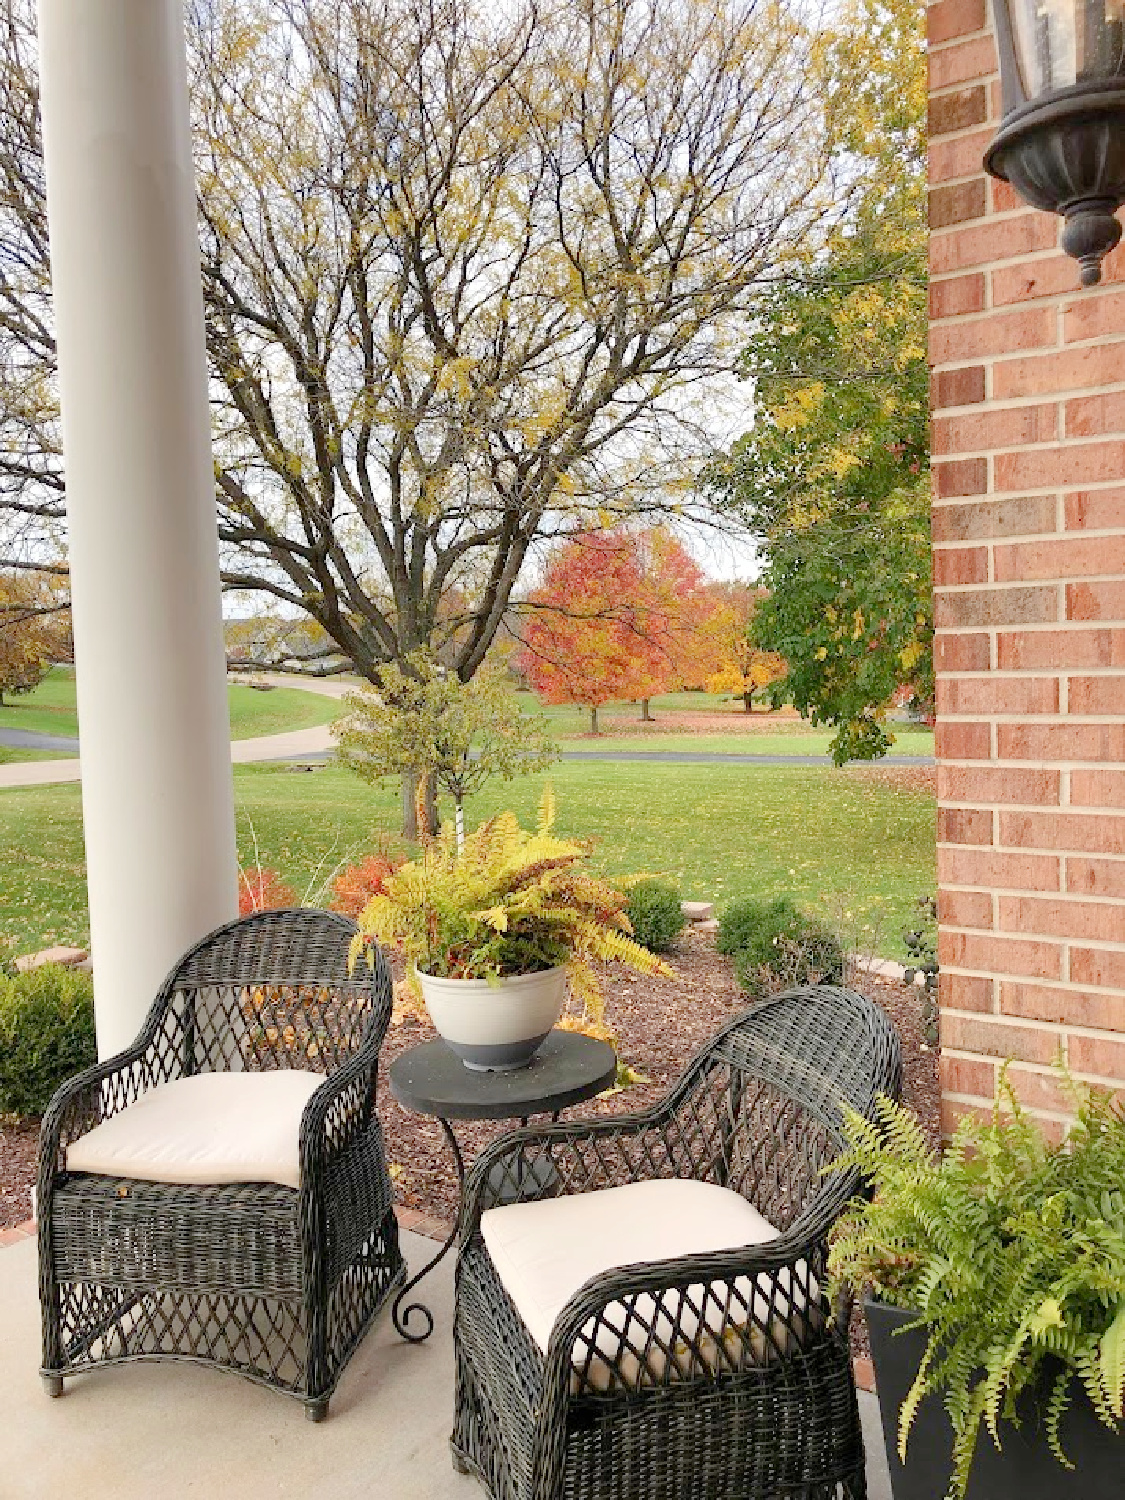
(509, 902)
(1009, 1247)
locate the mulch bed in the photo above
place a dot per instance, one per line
(659, 1023)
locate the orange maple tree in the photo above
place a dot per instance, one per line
(725, 658)
(609, 618)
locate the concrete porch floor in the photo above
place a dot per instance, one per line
(137, 1432)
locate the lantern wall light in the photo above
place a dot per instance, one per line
(1061, 142)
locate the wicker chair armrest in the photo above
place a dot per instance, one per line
(339, 1111)
(98, 1092)
(670, 1321)
(577, 1156)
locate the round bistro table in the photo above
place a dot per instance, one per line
(431, 1080)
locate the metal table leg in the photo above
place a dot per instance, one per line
(401, 1316)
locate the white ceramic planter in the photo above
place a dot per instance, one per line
(495, 1028)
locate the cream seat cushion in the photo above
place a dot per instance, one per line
(543, 1252)
(209, 1128)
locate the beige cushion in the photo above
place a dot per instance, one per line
(544, 1251)
(210, 1128)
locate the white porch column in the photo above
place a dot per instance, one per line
(157, 794)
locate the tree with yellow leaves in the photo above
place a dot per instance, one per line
(726, 657)
(833, 477)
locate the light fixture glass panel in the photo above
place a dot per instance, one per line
(1063, 42)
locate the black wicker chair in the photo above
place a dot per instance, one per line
(275, 1282)
(715, 1377)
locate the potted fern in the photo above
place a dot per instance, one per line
(996, 1275)
(493, 932)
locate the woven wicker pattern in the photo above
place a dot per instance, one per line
(277, 1284)
(715, 1377)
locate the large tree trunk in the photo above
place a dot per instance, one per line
(646, 717)
(411, 830)
(747, 699)
(594, 722)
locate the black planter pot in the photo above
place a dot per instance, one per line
(1024, 1468)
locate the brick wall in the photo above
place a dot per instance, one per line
(1028, 407)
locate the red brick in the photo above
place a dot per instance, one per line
(1097, 1056)
(963, 476)
(959, 741)
(965, 992)
(1069, 557)
(997, 695)
(1005, 199)
(1046, 276)
(1099, 601)
(1064, 370)
(1006, 427)
(1040, 1090)
(1002, 606)
(996, 1038)
(1098, 789)
(965, 909)
(1104, 967)
(962, 825)
(964, 387)
(956, 651)
(964, 1075)
(958, 156)
(998, 333)
(1061, 742)
(1080, 833)
(1094, 921)
(1094, 510)
(948, 19)
(956, 296)
(1036, 650)
(978, 519)
(1096, 695)
(999, 239)
(1076, 463)
(995, 784)
(963, 63)
(1094, 317)
(953, 1111)
(996, 869)
(960, 565)
(957, 202)
(1095, 877)
(1064, 1005)
(1093, 416)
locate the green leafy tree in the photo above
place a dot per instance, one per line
(833, 477)
(426, 724)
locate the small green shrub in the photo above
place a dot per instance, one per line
(775, 944)
(46, 1035)
(655, 913)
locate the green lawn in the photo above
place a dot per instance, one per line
(759, 733)
(9, 756)
(843, 843)
(815, 742)
(51, 709)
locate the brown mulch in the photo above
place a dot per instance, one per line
(18, 1147)
(733, 720)
(659, 1024)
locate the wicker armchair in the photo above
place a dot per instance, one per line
(278, 1283)
(717, 1376)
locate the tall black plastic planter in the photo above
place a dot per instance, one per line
(1024, 1468)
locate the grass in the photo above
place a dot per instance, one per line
(10, 756)
(759, 733)
(850, 845)
(52, 709)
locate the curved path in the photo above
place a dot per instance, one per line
(298, 744)
(315, 744)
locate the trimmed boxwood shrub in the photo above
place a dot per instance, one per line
(655, 911)
(46, 1035)
(775, 944)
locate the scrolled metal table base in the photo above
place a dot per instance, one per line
(401, 1316)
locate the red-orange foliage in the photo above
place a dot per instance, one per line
(262, 890)
(354, 887)
(611, 616)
